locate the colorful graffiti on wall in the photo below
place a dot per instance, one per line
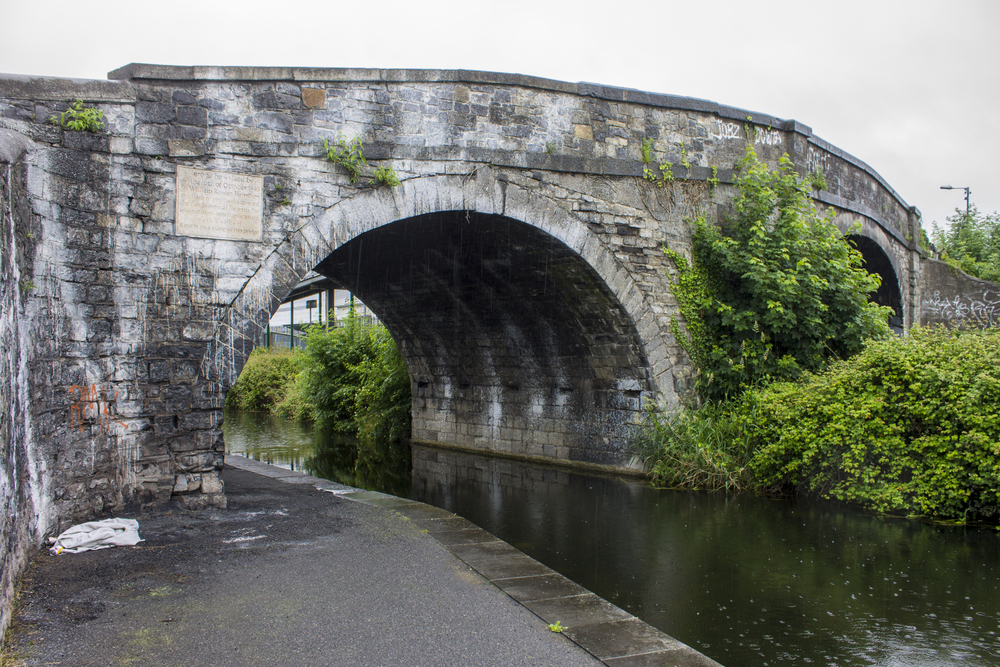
(93, 405)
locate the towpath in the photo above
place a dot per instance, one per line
(291, 574)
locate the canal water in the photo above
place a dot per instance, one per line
(748, 581)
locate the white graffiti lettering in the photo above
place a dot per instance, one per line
(769, 137)
(726, 131)
(960, 308)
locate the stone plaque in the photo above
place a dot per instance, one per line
(219, 205)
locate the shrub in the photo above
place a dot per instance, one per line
(971, 243)
(776, 291)
(910, 425)
(267, 378)
(357, 381)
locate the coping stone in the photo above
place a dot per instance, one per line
(577, 610)
(540, 587)
(50, 88)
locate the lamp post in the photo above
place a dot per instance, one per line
(967, 192)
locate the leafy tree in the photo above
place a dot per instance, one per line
(971, 243)
(776, 291)
(268, 377)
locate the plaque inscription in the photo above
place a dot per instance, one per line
(219, 205)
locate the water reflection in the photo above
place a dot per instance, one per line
(332, 456)
(273, 440)
(747, 581)
(349, 461)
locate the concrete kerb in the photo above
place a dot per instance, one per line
(607, 632)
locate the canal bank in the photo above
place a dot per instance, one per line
(291, 574)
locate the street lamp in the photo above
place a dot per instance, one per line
(967, 191)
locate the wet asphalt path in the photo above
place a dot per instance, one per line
(287, 575)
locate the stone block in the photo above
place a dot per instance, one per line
(314, 98)
(190, 115)
(185, 148)
(151, 146)
(211, 483)
(155, 112)
(200, 462)
(183, 97)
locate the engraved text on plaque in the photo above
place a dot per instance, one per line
(219, 205)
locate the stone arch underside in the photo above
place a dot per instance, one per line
(522, 333)
(514, 344)
(877, 261)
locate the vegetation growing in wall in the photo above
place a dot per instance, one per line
(817, 179)
(971, 243)
(774, 292)
(79, 117)
(386, 176)
(666, 174)
(350, 155)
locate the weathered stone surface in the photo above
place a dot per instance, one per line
(519, 264)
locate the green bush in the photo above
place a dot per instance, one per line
(296, 404)
(910, 425)
(266, 381)
(357, 381)
(775, 291)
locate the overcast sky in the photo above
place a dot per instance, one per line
(909, 86)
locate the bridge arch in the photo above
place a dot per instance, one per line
(881, 256)
(559, 363)
(878, 261)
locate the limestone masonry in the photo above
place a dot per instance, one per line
(519, 265)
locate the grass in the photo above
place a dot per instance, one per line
(702, 448)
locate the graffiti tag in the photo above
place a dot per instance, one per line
(769, 137)
(960, 308)
(726, 131)
(93, 405)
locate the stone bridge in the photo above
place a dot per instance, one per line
(518, 264)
